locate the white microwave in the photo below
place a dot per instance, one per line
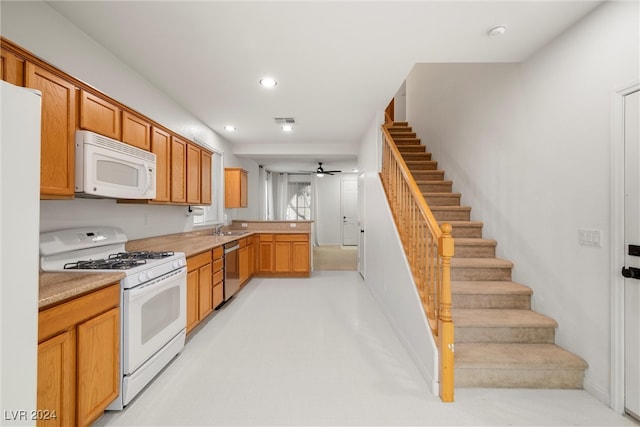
(112, 169)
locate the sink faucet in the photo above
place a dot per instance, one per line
(218, 229)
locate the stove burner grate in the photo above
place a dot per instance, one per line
(141, 255)
(104, 264)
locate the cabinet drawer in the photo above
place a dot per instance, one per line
(217, 265)
(242, 242)
(53, 320)
(198, 261)
(218, 294)
(217, 252)
(217, 277)
(266, 237)
(292, 237)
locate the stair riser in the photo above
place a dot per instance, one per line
(428, 175)
(451, 215)
(516, 302)
(416, 156)
(442, 200)
(407, 141)
(422, 165)
(466, 232)
(480, 273)
(436, 187)
(474, 251)
(402, 133)
(406, 149)
(519, 378)
(523, 335)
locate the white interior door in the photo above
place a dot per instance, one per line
(632, 254)
(349, 211)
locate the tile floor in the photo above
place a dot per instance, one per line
(295, 352)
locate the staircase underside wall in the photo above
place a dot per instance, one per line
(390, 281)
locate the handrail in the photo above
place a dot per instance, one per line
(429, 249)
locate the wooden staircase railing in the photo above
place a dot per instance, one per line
(429, 249)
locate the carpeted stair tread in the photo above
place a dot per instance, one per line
(515, 356)
(500, 318)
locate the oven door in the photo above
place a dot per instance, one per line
(153, 314)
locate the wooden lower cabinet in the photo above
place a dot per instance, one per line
(79, 358)
(218, 276)
(283, 255)
(243, 261)
(203, 286)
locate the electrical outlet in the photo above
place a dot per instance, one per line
(293, 225)
(244, 225)
(590, 237)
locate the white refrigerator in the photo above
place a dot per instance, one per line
(20, 111)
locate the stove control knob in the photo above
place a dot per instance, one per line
(142, 277)
(150, 274)
(178, 263)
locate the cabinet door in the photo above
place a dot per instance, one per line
(243, 260)
(265, 253)
(251, 250)
(205, 178)
(57, 379)
(178, 170)
(192, 299)
(57, 145)
(243, 189)
(136, 131)
(11, 67)
(300, 257)
(100, 116)
(193, 174)
(161, 147)
(205, 289)
(282, 257)
(98, 365)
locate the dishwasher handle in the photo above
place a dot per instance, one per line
(230, 247)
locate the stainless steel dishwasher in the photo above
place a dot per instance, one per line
(231, 269)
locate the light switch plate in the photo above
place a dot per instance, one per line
(590, 237)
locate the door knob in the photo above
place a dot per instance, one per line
(631, 272)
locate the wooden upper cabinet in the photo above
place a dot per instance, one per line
(161, 147)
(12, 67)
(100, 116)
(235, 188)
(205, 178)
(58, 125)
(136, 131)
(178, 170)
(193, 174)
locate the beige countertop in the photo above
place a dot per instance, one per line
(58, 287)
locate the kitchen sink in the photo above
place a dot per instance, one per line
(231, 233)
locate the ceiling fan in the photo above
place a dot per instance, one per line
(320, 172)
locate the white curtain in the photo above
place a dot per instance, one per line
(270, 214)
(281, 196)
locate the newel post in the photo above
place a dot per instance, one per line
(445, 323)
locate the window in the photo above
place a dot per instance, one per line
(299, 199)
(214, 214)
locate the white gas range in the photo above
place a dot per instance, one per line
(153, 298)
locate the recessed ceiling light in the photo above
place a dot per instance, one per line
(287, 128)
(229, 128)
(497, 31)
(268, 82)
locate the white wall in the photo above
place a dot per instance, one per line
(39, 29)
(528, 145)
(386, 269)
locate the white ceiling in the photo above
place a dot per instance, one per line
(337, 63)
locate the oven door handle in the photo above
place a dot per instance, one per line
(159, 283)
